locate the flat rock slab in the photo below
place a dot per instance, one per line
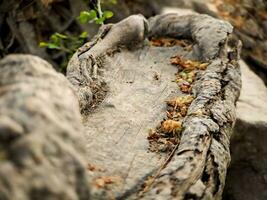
(252, 98)
(122, 83)
(249, 155)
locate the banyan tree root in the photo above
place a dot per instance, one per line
(250, 21)
(198, 167)
(84, 69)
(41, 153)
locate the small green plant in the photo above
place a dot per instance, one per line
(90, 16)
(66, 44)
(95, 15)
(70, 44)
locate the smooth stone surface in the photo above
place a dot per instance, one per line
(246, 178)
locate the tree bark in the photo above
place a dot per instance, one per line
(198, 167)
(121, 83)
(41, 149)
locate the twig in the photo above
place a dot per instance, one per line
(148, 186)
(11, 42)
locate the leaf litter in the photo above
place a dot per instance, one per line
(166, 137)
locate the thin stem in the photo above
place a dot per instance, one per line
(99, 8)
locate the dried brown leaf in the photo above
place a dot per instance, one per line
(171, 126)
(103, 181)
(188, 64)
(168, 42)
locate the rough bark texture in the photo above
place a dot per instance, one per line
(41, 149)
(84, 68)
(246, 176)
(198, 167)
(249, 17)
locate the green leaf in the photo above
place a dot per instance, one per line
(100, 20)
(107, 14)
(93, 14)
(52, 46)
(61, 36)
(87, 16)
(84, 17)
(42, 44)
(83, 35)
(55, 39)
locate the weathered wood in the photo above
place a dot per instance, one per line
(41, 149)
(250, 22)
(121, 83)
(84, 68)
(198, 167)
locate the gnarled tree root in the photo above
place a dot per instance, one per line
(198, 168)
(41, 149)
(40, 121)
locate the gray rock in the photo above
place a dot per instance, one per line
(246, 177)
(252, 104)
(179, 11)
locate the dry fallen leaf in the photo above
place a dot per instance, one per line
(152, 135)
(174, 115)
(171, 126)
(203, 66)
(185, 87)
(102, 181)
(92, 167)
(168, 42)
(180, 101)
(188, 64)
